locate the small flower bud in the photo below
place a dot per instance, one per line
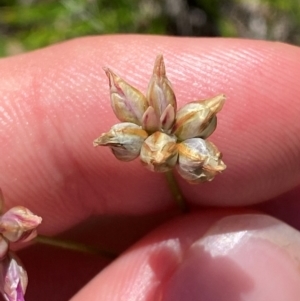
(199, 160)
(197, 119)
(160, 93)
(13, 278)
(128, 103)
(18, 224)
(125, 139)
(159, 152)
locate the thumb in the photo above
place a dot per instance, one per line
(206, 257)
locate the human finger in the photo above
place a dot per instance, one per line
(55, 102)
(206, 256)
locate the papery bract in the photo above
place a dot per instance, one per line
(150, 121)
(159, 152)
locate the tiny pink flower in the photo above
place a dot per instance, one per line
(13, 278)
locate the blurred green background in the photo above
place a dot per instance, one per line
(31, 24)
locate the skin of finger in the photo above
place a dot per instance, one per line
(55, 102)
(51, 269)
(207, 256)
(285, 207)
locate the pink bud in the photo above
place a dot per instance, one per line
(13, 278)
(19, 224)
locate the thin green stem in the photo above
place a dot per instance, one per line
(74, 246)
(175, 190)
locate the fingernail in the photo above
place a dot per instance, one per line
(240, 258)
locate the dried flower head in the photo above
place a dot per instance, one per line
(151, 129)
(16, 225)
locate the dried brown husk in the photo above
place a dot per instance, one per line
(159, 152)
(125, 140)
(199, 160)
(198, 119)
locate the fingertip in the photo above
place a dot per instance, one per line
(206, 256)
(56, 102)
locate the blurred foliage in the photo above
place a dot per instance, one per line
(31, 24)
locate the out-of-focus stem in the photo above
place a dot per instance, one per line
(175, 190)
(74, 246)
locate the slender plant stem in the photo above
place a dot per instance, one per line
(74, 246)
(175, 190)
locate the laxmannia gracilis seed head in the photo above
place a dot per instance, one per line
(153, 129)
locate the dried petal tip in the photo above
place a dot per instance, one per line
(159, 152)
(13, 278)
(199, 160)
(198, 118)
(128, 103)
(19, 224)
(215, 104)
(160, 94)
(159, 68)
(125, 140)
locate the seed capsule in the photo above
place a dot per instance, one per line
(160, 94)
(199, 160)
(159, 152)
(128, 103)
(125, 139)
(198, 119)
